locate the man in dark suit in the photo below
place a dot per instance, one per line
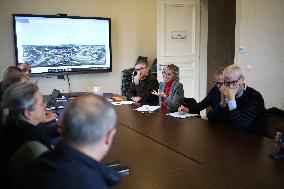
(212, 99)
(143, 84)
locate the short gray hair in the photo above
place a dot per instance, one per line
(18, 98)
(233, 70)
(87, 119)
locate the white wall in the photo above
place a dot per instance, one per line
(260, 29)
(133, 34)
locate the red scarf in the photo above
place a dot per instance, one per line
(168, 88)
(167, 92)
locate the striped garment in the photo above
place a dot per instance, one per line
(246, 117)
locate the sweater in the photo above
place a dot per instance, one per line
(247, 116)
(212, 99)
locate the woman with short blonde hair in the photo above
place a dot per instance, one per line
(170, 92)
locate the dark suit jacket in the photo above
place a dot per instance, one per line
(212, 99)
(66, 167)
(15, 133)
(144, 89)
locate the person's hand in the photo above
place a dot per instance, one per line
(223, 100)
(183, 110)
(229, 93)
(137, 78)
(277, 137)
(162, 94)
(136, 98)
(49, 117)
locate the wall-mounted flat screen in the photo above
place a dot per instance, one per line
(54, 45)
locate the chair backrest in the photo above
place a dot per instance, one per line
(275, 111)
(24, 155)
(154, 66)
(274, 121)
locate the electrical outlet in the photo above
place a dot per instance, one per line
(242, 50)
(249, 67)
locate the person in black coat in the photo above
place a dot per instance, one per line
(143, 84)
(23, 110)
(241, 107)
(88, 130)
(212, 99)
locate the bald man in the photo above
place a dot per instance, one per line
(89, 125)
(240, 106)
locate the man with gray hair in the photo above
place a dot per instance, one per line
(23, 110)
(89, 125)
(240, 106)
(143, 84)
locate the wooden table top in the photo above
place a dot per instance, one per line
(194, 138)
(246, 170)
(145, 158)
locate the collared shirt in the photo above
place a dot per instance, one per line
(232, 104)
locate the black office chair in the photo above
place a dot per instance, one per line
(274, 121)
(154, 66)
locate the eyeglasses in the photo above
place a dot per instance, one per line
(167, 74)
(138, 69)
(26, 70)
(218, 83)
(233, 83)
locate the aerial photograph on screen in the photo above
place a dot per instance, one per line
(64, 55)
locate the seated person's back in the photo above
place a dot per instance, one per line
(89, 127)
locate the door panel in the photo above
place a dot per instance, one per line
(178, 41)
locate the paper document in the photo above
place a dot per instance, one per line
(147, 108)
(182, 116)
(118, 103)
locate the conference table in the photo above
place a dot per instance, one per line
(167, 152)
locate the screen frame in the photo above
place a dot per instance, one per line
(81, 71)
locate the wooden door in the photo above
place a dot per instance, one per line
(178, 38)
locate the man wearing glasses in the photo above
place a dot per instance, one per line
(240, 106)
(26, 68)
(212, 99)
(143, 84)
